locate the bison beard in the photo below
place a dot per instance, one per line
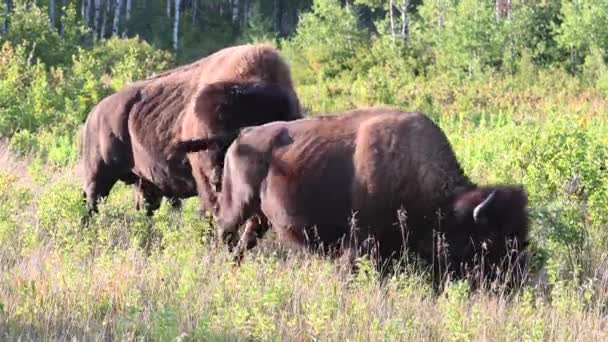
(393, 170)
(131, 135)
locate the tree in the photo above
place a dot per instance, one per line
(117, 10)
(52, 13)
(176, 25)
(127, 18)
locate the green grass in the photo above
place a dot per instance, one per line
(129, 277)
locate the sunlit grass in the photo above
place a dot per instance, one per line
(126, 276)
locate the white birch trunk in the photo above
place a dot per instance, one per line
(404, 20)
(194, 11)
(52, 13)
(104, 21)
(88, 10)
(127, 17)
(235, 11)
(5, 21)
(96, 19)
(62, 17)
(390, 11)
(176, 26)
(117, 9)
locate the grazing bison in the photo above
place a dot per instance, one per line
(126, 136)
(307, 177)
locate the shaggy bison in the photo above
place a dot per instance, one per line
(395, 171)
(126, 136)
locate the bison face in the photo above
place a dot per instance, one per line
(488, 227)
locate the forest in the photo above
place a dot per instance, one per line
(520, 88)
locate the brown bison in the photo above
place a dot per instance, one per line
(125, 137)
(309, 178)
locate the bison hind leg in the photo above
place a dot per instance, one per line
(255, 228)
(95, 189)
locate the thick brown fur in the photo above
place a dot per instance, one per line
(309, 176)
(131, 135)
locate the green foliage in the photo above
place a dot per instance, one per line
(496, 86)
(584, 27)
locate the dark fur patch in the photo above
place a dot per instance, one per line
(232, 105)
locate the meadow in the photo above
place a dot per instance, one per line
(516, 109)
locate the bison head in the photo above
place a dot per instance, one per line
(486, 231)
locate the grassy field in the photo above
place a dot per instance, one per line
(129, 277)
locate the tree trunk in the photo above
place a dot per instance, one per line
(62, 17)
(277, 15)
(168, 8)
(245, 14)
(235, 11)
(390, 11)
(96, 19)
(104, 21)
(503, 9)
(127, 17)
(194, 11)
(404, 20)
(88, 13)
(176, 26)
(7, 10)
(117, 10)
(52, 13)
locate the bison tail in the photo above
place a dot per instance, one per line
(197, 145)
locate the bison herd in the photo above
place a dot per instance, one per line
(229, 128)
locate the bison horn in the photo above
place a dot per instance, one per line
(479, 208)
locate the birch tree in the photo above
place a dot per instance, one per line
(176, 25)
(7, 9)
(117, 8)
(106, 14)
(96, 19)
(392, 18)
(235, 11)
(194, 11)
(62, 17)
(88, 10)
(52, 13)
(127, 17)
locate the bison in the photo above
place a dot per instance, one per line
(394, 172)
(126, 135)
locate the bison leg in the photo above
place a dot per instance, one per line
(255, 228)
(95, 188)
(175, 202)
(149, 197)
